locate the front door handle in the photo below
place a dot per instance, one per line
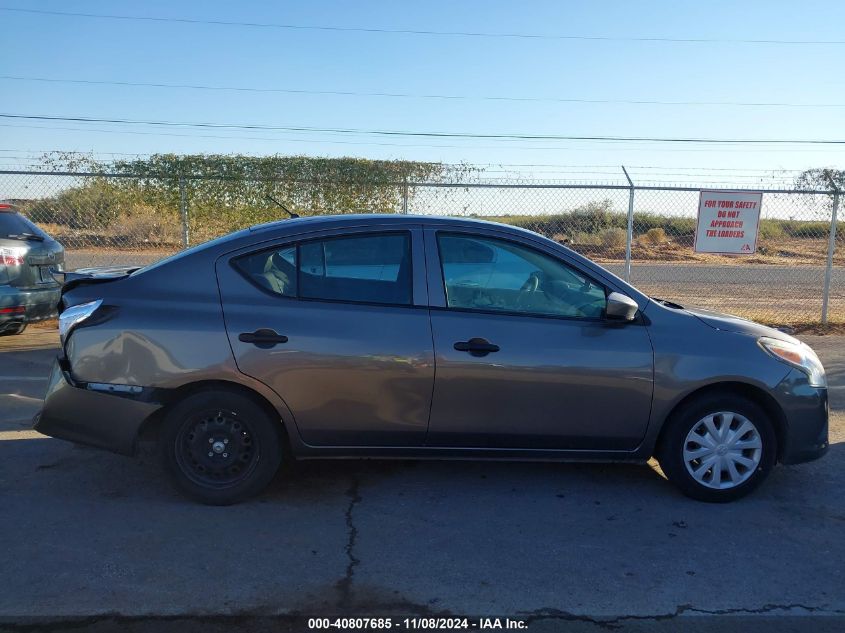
(476, 347)
(263, 338)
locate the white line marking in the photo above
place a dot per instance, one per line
(17, 396)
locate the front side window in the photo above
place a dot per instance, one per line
(489, 274)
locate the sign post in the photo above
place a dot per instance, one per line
(728, 222)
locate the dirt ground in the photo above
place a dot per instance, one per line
(782, 252)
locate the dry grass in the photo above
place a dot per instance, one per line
(654, 236)
(614, 238)
(837, 329)
(789, 252)
(47, 324)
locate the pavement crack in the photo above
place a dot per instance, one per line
(344, 586)
(617, 622)
(766, 608)
(566, 616)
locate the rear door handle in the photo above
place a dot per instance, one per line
(476, 347)
(263, 338)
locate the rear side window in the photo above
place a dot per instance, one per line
(366, 269)
(370, 269)
(272, 270)
(15, 224)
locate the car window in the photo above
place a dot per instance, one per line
(273, 270)
(369, 268)
(483, 273)
(15, 224)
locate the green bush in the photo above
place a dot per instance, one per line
(614, 237)
(94, 204)
(772, 230)
(579, 238)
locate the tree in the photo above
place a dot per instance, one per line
(819, 179)
(229, 192)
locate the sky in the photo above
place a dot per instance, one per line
(534, 75)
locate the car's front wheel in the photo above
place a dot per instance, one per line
(718, 448)
(220, 446)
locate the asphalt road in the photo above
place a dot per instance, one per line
(98, 540)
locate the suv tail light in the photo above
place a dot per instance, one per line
(12, 256)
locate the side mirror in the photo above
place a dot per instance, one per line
(621, 307)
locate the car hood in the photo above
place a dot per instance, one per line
(731, 323)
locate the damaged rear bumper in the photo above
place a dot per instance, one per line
(93, 414)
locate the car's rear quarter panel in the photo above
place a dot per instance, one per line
(166, 329)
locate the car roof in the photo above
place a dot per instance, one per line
(362, 219)
(291, 226)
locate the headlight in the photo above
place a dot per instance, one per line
(798, 355)
(75, 314)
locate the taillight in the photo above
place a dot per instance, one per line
(76, 314)
(13, 310)
(12, 255)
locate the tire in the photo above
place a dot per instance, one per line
(18, 329)
(220, 447)
(751, 451)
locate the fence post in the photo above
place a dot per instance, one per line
(183, 211)
(831, 245)
(405, 196)
(630, 234)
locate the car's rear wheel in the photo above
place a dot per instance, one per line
(220, 446)
(718, 448)
(17, 328)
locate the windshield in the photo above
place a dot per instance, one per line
(14, 224)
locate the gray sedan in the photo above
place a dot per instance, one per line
(419, 337)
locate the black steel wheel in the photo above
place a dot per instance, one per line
(215, 448)
(221, 447)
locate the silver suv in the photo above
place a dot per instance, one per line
(28, 291)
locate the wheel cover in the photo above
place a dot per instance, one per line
(723, 450)
(216, 449)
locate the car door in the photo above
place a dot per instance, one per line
(525, 356)
(337, 324)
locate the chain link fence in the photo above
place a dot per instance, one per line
(643, 233)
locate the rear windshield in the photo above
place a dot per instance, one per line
(16, 224)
